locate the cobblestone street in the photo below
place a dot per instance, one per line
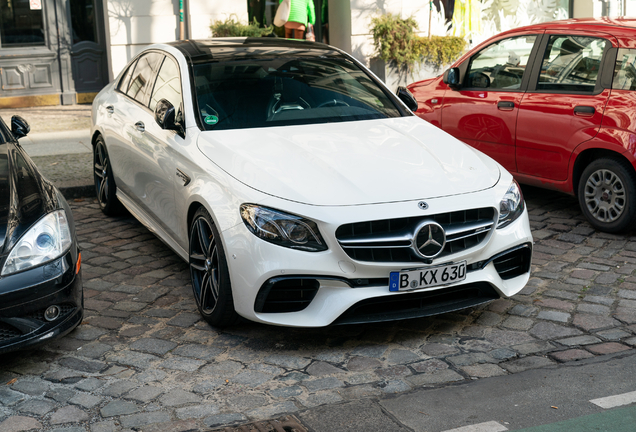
(143, 357)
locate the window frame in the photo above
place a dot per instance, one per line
(181, 107)
(132, 66)
(602, 77)
(466, 65)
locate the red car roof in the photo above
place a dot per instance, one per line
(615, 26)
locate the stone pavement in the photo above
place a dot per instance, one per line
(144, 360)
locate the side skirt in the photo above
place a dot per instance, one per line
(146, 220)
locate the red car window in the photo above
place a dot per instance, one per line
(500, 65)
(625, 70)
(571, 63)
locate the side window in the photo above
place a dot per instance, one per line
(502, 65)
(571, 63)
(625, 70)
(141, 78)
(168, 85)
(125, 80)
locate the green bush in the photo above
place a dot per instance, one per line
(395, 40)
(441, 50)
(232, 27)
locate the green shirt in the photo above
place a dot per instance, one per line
(302, 11)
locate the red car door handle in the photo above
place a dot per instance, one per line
(505, 105)
(584, 110)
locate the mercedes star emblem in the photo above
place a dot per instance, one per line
(422, 205)
(430, 239)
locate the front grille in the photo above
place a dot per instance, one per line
(418, 304)
(391, 240)
(8, 332)
(65, 309)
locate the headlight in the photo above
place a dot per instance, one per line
(282, 229)
(511, 205)
(45, 241)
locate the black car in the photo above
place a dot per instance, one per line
(40, 279)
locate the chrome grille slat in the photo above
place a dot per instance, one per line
(467, 226)
(391, 240)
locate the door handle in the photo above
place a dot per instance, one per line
(110, 109)
(584, 110)
(505, 105)
(140, 126)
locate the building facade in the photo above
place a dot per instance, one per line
(64, 51)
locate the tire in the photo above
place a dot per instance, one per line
(209, 273)
(104, 180)
(607, 195)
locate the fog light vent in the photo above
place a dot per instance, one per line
(281, 295)
(513, 263)
(52, 313)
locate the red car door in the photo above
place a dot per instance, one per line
(563, 106)
(483, 112)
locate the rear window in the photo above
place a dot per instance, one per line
(625, 70)
(279, 91)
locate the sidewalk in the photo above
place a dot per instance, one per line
(59, 144)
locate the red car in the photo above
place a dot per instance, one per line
(555, 104)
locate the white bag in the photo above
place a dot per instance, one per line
(282, 13)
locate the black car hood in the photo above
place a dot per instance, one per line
(24, 195)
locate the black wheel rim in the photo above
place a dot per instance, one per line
(605, 196)
(101, 168)
(204, 265)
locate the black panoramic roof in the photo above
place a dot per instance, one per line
(222, 49)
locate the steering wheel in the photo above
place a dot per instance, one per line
(333, 102)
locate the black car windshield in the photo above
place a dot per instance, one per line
(283, 90)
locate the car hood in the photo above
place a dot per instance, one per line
(351, 163)
(24, 196)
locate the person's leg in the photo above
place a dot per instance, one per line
(299, 34)
(289, 33)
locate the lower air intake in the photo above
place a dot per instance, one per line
(286, 295)
(514, 263)
(418, 304)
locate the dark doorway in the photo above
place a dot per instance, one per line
(88, 48)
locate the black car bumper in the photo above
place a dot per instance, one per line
(25, 296)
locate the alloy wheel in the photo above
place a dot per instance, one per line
(101, 174)
(605, 195)
(204, 265)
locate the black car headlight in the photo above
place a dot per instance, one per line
(48, 239)
(282, 229)
(511, 205)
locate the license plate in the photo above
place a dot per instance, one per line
(428, 277)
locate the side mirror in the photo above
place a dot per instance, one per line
(19, 126)
(165, 115)
(451, 77)
(407, 97)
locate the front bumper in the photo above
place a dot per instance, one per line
(337, 289)
(26, 295)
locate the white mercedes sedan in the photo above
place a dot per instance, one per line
(300, 190)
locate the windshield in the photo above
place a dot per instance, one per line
(279, 91)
